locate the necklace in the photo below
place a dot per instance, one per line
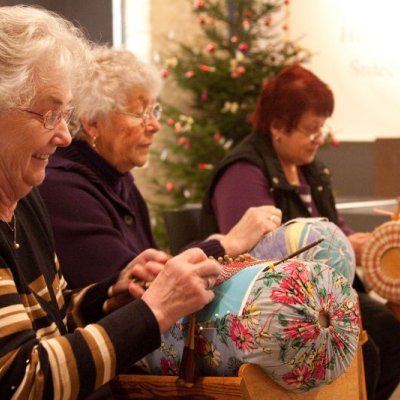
(13, 229)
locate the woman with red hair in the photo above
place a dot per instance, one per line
(276, 165)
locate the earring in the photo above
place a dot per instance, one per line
(277, 138)
(94, 142)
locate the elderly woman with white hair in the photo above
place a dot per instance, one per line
(98, 214)
(55, 343)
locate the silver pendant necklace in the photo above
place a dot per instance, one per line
(13, 229)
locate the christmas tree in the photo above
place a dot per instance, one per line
(242, 44)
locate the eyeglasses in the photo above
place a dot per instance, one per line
(152, 111)
(313, 136)
(52, 117)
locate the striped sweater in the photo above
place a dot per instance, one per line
(56, 343)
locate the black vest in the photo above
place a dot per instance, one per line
(258, 150)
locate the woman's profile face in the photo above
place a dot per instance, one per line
(300, 145)
(124, 140)
(26, 144)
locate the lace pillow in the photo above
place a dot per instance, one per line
(299, 321)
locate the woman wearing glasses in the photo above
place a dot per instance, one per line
(276, 165)
(99, 216)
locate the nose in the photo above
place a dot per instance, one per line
(152, 125)
(317, 138)
(62, 136)
(320, 139)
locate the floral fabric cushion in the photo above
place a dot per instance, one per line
(299, 321)
(335, 250)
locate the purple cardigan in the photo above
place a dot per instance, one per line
(99, 217)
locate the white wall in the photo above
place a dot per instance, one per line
(357, 52)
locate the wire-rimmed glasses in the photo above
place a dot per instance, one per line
(52, 118)
(313, 136)
(152, 111)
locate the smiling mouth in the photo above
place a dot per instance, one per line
(43, 157)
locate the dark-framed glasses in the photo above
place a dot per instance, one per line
(152, 111)
(52, 118)
(322, 132)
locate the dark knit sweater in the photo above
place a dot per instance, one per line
(99, 217)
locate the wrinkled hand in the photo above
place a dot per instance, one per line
(255, 223)
(358, 240)
(182, 287)
(133, 278)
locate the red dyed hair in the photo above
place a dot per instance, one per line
(285, 98)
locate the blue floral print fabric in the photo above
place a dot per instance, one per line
(298, 320)
(335, 250)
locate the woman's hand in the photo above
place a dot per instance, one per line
(182, 287)
(255, 223)
(135, 277)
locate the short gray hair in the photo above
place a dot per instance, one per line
(33, 43)
(111, 78)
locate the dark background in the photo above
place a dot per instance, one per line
(93, 16)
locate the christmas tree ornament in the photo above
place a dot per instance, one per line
(178, 127)
(231, 107)
(164, 73)
(210, 21)
(190, 74)
(243, 47)
(204, 95)
(164, 154)
(171, 62)
(198, 4)
(206, 68)
(170, 121)
(184, 142)
(205, 166)
(169, 186)
(211, 47)
(217, 137)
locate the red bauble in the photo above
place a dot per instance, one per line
(170, 121)
(190, 74)
(243, 47)
(164, 73)
(198, 4)
(170, 186)
(211, 47)
(204, 68)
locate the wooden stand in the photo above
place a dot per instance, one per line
(251, 384)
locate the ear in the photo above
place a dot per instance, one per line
(277, 129)
(90, 128)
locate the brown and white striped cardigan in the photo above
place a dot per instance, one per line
(56, 343)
